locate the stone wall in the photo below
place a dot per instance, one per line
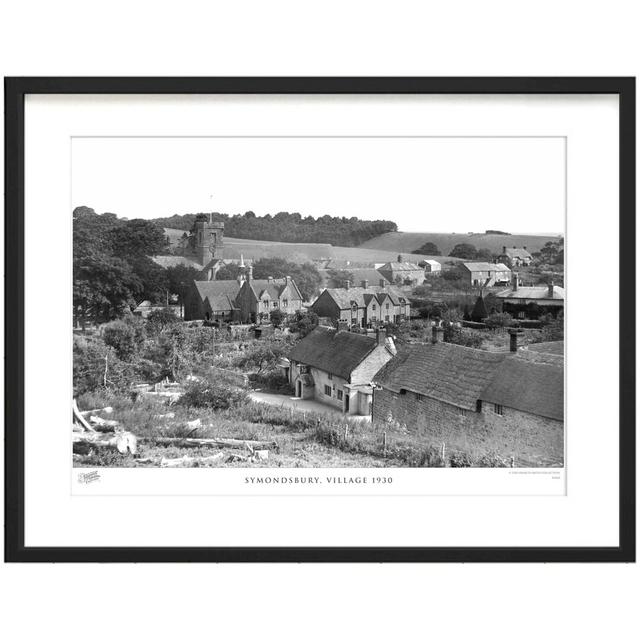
(515, 433)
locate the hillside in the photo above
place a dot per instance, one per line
(398, 241)
(305, 252)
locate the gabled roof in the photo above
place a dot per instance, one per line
(344, 297)
(173, 261)
(532, 293)
(443, 371)
(433, 263)
(337, 352)
(460, 376)
(400, 266)
(212, 288)
(273, 288)
(221, 302)
(485, 266)
(518, 253)
(533, 387)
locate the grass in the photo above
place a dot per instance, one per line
(303, 439)
(406, 242)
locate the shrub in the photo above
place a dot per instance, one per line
(124, 336)
(211, 395)
(498, 320)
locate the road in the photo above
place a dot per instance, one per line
(292, 402)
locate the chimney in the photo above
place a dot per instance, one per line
(550, 290)
(399, 258)
(514, 281)
(504, 250)
(514, 334)
(436, 334)
(382, 282)
(365, 284)
(250, 273)
(270, 279)
(525, 248)
(347, 284)
(210, 217)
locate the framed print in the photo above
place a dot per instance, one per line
(320, 319)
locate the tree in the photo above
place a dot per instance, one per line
(428, 249)
(137, 238)
(306, 276)
(229, 271)
(337, 277)
(463, 250)
(303, 323)
(276, 317)
(179, 279)
(484, 255)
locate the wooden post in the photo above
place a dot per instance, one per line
(513, 461)
(346, 431)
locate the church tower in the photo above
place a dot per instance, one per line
(209, 237)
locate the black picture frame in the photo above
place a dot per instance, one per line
(15, 91)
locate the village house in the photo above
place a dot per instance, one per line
(363, 307)
(510, 403)
(402, 273)
(336, 367)
(485, 274)
(530, 302)
(432, 266)
(242, 300)
(258, 298)
(516, 257)
(212, 300)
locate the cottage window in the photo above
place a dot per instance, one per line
(499, 409)
(386, 306)
(331, 376)
(461, 411)
(266, 303)
(339, 394)
(327, 390)
(285, 303)
(373, 307)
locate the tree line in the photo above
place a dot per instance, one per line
(288, 227)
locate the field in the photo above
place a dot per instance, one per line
(407, 242)
(306, 252)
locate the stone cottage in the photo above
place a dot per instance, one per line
(337, 367)
(363, 307)
(510, 403)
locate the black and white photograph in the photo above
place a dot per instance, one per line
(318, 302)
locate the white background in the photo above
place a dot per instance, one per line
(332, 38)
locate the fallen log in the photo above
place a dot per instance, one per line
(102, 425)
(212, 442)
(79, 418)
(123, 442)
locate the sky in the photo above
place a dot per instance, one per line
(422, 184)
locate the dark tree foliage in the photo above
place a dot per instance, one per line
(463, 250)
(111, 267)
(289, 227)
(179, 279)
(428, 249)
(337, 277)
(276, 317)
(306, 276)
(484, 255)
(229, 271)
(303, 323)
